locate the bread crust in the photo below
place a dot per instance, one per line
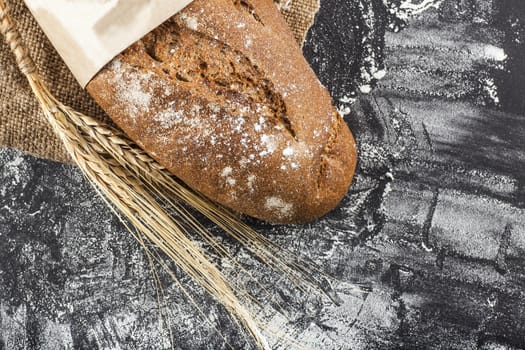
(223, 98)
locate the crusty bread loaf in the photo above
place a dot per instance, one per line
(223, 98)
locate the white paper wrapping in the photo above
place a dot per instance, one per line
(90, 33)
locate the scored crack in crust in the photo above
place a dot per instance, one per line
(222, 97)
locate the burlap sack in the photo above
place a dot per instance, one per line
(22, 124)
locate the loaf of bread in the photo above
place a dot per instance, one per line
(222, 97)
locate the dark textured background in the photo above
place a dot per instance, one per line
(434, 224)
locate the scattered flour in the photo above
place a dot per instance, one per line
(495, 53)
(191, 22)
(227, 171)
(288, 151)
(347, 99)
(138, 100)
(344, 110)
(130, 86)
(269, 143)
(276, 204)
(250, 182)
(169, 118)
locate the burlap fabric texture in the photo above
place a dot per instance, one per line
(22, 124)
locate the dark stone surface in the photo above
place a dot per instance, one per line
(434, 223)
